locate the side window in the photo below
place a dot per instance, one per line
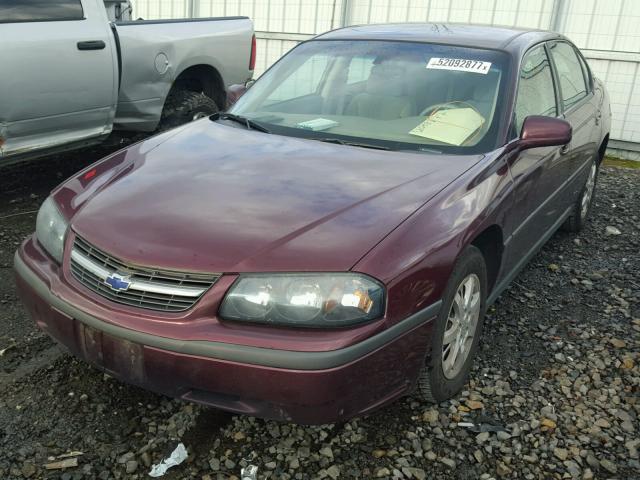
(303, 81)
(586, 71)
(359, 69)
(536, 95)
(572, 82)
(13, 11)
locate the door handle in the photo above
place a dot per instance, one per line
(91, 45)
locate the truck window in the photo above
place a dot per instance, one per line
(13, 11)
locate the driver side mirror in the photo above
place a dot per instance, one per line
(234, 92)
(539, 131)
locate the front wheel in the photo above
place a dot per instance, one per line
(457, 331)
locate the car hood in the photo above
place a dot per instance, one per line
(217, 198)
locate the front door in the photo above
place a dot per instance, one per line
(59, 74)
(537, 173)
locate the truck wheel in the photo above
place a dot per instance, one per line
(457, 329)
(184, 106)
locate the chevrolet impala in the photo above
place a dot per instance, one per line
(331, 243)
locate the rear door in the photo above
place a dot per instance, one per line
(59, 73)
(578, 104)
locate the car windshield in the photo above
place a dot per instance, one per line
(389, 94)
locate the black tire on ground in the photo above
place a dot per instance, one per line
(433, 384)
(184, 106)
(580, 215)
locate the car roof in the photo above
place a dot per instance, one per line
(514, 40)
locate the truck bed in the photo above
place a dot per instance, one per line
(154, 53)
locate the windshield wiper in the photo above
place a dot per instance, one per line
(421, 149)
(247, 122)
(352, 144)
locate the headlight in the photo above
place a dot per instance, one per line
(51, 228)
(304, 300)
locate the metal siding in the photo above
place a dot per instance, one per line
(606, 30)
(160, 9)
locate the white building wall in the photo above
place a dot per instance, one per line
(157, 9)
(607, 32)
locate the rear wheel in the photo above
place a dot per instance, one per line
(457, 330)
(183, 106)
(582, 207)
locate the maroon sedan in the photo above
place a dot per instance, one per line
(333, 241)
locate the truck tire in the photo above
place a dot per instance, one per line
(184, 106)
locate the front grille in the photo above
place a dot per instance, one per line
(149, 288)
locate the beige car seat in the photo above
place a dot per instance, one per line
(385, 95)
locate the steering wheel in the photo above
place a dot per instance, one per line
(432, 108)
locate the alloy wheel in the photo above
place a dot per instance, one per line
(589, 188)
(461, 326)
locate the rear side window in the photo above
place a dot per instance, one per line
(573, 86)
(12, 11)
(536, 95)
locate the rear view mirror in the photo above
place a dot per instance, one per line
(540, 131)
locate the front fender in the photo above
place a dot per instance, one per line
(417, 258)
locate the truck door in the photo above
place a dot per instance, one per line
(59, 74)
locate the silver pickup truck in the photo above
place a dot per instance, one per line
(70, 76)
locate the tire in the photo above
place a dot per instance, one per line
(441, 377)
(584, 203)
(184, 106)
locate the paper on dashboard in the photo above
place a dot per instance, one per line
(452, 126)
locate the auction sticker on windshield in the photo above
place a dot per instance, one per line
(460, 64)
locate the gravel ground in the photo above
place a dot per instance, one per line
(554, 392)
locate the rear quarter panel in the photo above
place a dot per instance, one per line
(224, 44)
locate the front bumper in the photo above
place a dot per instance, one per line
(304, 387)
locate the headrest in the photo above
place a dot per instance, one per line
(386, 79)
(485, 88)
